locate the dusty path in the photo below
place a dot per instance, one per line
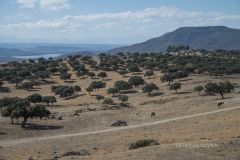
(26, 140)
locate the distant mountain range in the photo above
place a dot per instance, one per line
(8, 50)
(208, 38)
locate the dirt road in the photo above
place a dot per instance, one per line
(26, 140)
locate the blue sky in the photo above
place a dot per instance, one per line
(111, 21)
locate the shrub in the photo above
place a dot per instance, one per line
(141, 143)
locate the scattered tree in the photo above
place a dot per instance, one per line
(99, 98)
(148, 88)
(175, 86)
(123, 98)
(48, 99)
(91, 74)
(112, 91)
(149, 73)
(136, 81)
(102, 75)
(167, 77)
(27, 85)
(89, 89)
(34, 98)
(221, 88)
(77, 88)
(65, 76)
(108, 101)
(198, 89)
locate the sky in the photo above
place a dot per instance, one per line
(111, 21)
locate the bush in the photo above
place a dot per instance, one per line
(141, 143)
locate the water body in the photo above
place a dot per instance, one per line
(46, 56)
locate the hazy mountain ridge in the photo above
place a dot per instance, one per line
(208, 38)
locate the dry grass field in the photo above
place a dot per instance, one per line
(217, 133)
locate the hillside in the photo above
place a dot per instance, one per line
(208, 38)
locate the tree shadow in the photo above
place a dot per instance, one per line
(4, 90)
(70, 81)
(95, 78)
(47, 82)
(183, 92)
(223, 98)
(129, 92)
(137, 73)
(107, 79)
(1, 133)
(56, 74)
(186, 79)
(32, 90)
(40, 127)
(157, 94)
(83, 78)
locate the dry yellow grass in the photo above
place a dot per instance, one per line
(218, 128)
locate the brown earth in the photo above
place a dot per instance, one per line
(45, 139)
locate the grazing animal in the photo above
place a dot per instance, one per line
(220, 104)
(153, 114)
(137, 113)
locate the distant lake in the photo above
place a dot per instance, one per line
(46, 56)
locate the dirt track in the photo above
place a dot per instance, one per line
(26, 140)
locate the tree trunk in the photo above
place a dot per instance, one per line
(12, 121)
(222, 95)
(24, 122)
(199, 93)
(176, 91)
(47, 103)
(52, 103)
(169, 83)
(17, 120)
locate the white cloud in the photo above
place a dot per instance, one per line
(140, 23)
(27, 3)
(16, 16)
(53, 5)
(107, 25)
(223, 17)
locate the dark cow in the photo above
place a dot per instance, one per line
(153, 114)
(220, 104)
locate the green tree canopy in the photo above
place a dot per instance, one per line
(220, 88)
(198, 89)
(149, 73)
(148, 88)
(112, 91)
(175, 86)
(122, 85)
(168, 77)
(108, 101)
(28, 85)
(49, 99)
(136, 81)
(102, 75)
(34, 98)
(123, 98)
(21, 108)
(65, 76)
(99, 98)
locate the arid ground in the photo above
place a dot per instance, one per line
(186, 126)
